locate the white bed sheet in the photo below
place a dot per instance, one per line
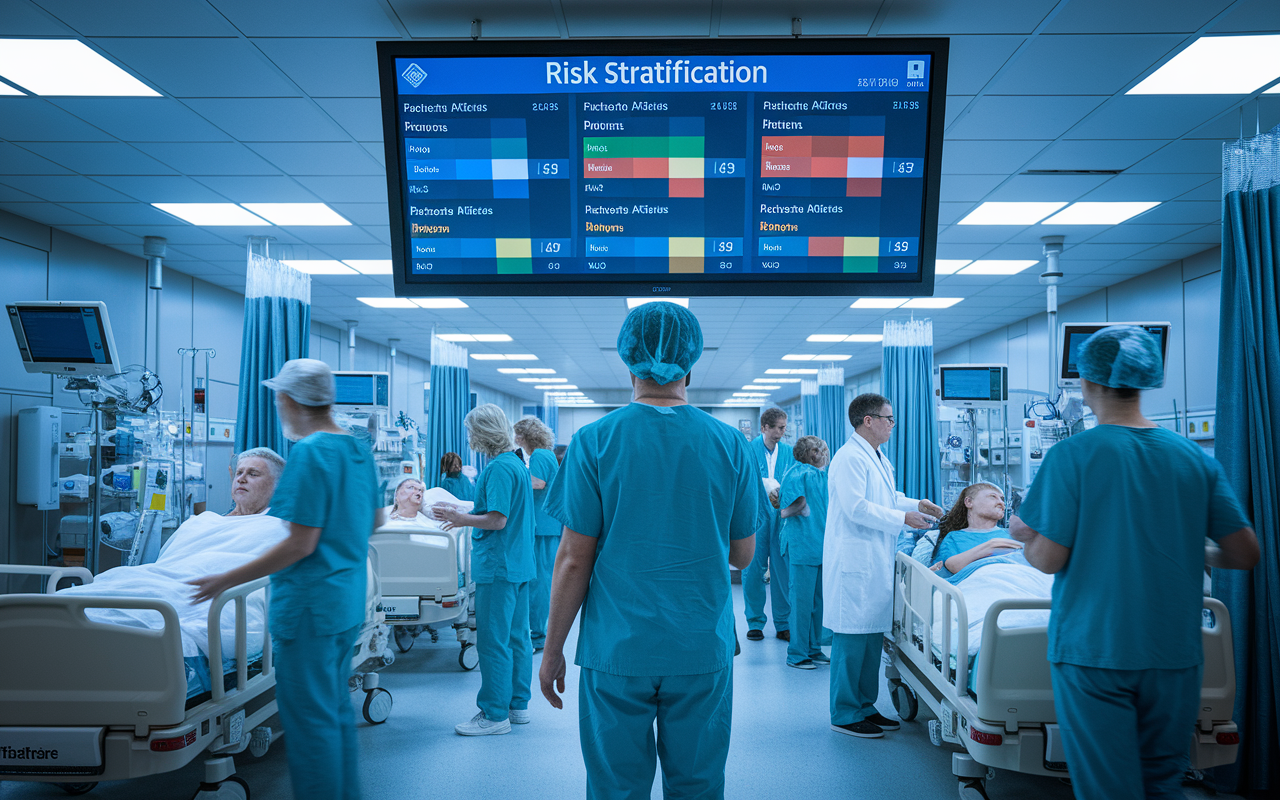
(984, 587)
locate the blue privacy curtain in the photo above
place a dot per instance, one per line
(449, 404)
(1248, 445)
(907, 380)
(831, 410)
(809, 413)
(277, 328)
(552, 414)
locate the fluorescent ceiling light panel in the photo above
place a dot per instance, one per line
(826, 337)
(866, 337)
(753, 386)
(799, 357)
(790, 372)
(750, 394)
(948, 266)
(492, 337)
(557, 386)
(878, 302)
(1010, 213)
(66, 68)
(210, 214)
(932, 302)
(319, 266)
(996, 267)
(439, 302)
(474, 337)
(7, 90)
(540, 372)
(504, 356)
(1217, 65)
(387, 302)
(513, 371)
(1098, 213)
(369, 266)
(778, 380)
(296, 214)
(544, 380)
(632, 302)
(840, 337)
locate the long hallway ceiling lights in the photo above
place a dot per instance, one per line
(906, 302)
(65, 68)
(417, 302)
(280, 214)
(1218, 65)
(1084, 213)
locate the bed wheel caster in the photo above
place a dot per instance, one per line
(232, 788)
(259, 741)
(905, 701)
(377, 706)
(468, 659)
(76, 788)
(973, 790)
(404, 639)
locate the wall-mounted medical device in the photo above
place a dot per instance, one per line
(39, 432)
(362, 392)
(973, 385)
(1074, 334)
(64, 337)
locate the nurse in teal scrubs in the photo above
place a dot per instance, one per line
(772, 459)
(803, 498)
(329, 496)
(536, 439)
(501, 565)
(452, 480)
(1120, 514)
(658, 499)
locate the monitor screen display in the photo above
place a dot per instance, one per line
(985, 384)
(360, 389)
(723, 167)
(1075, 335)
(64, 334)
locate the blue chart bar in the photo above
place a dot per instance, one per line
(784, 246)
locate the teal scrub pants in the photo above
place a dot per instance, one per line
(544, 556)
(855, 676)
(616, 725)
(315, 709)
(807, 633)
(502, 642)
(768, 556)
(1126, 732)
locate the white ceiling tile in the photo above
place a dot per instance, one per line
(60, 188)
(325, 234)
(319, 158)
(1141, 233)
(974, 61)
(103, 234)
(968, 188)
(1250, 16)
(100, 158)
(15, 160)
(363, 214)
(761, 18)
(1022, 117)
(1206, 192)
(361, 117)
(181, 234)
(351, 189)
(1204, 156)
(143, 119)
(1173, 250)
(1209, 234)
(122, 213)
(1150, 116)
(271, 189)
(978, 157)
(949, 213)
(208, 158)
(1147, 187)
(27, 19)
(310, 18)
(161, 189)
(35, 119)
(269, 120)
(1111, 251)
(1065, 65)
(977, 234)
(1064, 188)
(1082, 154)
(8, 194)
(140, 17)
(1262, 114)
(327, 67)
(1180, 212)
(209, 67)
(997, 16)
(955, 105)
(665, 18)
(1107, 16)
(47, 213)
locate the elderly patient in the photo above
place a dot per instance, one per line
(204, 543)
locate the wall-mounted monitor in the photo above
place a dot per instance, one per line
(973, 385)
(64, 337)
(362, 391)
(643, 167)
(1075, 333)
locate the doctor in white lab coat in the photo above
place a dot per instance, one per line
(864, 516)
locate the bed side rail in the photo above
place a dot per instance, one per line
(1012, 679)
(915, 587)
(54, 575)
(240, 596)
(1218, 684)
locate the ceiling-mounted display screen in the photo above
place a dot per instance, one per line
(724, 167)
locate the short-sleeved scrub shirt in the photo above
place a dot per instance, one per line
(507, 553)
(329, 482)
(458, 485)
(1134, 505)
(543, 465)
(663, 490)
(802, 536)
(956, 542)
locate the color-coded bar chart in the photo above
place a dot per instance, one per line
(859, 160)
(677, 158)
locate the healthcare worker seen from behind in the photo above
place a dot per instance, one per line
(658, 499)
(865, 513)
(1120, 514)
(329, 496)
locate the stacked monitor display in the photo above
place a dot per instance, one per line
(64, 337)
(1074, 334)
(973, 385)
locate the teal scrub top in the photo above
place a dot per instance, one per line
(507, 553)
(663, 490)
(956, 542)
(458, 485)
(802, 536)
(543, 464)
(1134, 505)
(329, 482)
(786, 460)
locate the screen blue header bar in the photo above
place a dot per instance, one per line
(592, 74)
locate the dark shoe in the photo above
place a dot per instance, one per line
(820, 658)
(806, 664)
(755, 635)
(863, 730)
(784, 635)
(881, 721)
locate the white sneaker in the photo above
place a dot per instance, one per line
(519, 716)
(480, 725)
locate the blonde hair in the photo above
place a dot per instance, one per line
(808, 449)
(535, 433)
(489, 431)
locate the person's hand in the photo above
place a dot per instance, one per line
(209, 587)
(551, 676)
(915, 519)
(931, 508)
(1019, 530)
(773, 499)
(996, 546)
(804, 512)
(447, 513)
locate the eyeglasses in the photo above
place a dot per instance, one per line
(892, 421)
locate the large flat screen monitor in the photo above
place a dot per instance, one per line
(1075, 333)
(973, 385)
(64, 337)
(362, 391)
(715, 167)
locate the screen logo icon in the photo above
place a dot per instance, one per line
(915, 71)
(415, 75)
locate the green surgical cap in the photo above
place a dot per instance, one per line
(1122, 357)
(660, 342)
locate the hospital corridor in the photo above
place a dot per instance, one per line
(631, 399)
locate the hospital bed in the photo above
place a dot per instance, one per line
(84, 701)
(998, 705)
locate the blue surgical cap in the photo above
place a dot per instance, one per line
(660, 341)
(1122, 357)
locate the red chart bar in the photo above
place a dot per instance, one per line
(862, 187)
(685, 187)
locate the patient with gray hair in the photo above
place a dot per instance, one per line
(253, 480)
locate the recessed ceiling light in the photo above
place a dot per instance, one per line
(1098, 213)
(9, 91)
(632, 302)
(932, 302)
(387, 302)
(1217, 65)
(540, 371)
(474, 337)
(439, 302)
(296, 214)
(996, 267)
(840, 337)
(492, 337)
(878, 302)
(799, 357)
(826, 337)
(319, 266)
(504, 356)
(66, 68)
(1010, 213)
(541, 380)
(778, 380)
(790, 372)
(948, 266)
(762, 386)
(209, 214)
(865, 337)
(369, 267)
(557, 386)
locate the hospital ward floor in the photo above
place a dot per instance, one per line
(782, 744)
